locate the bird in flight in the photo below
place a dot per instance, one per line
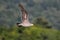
(25, 19)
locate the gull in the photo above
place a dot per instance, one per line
(25, 19)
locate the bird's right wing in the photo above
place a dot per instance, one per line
(22, 8)
(24, 12)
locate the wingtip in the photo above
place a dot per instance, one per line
(20, 5)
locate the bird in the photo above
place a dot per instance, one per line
(24, 18)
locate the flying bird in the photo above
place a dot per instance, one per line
(25, 19)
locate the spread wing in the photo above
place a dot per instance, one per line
(24, 12)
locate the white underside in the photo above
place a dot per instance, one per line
(26, 24)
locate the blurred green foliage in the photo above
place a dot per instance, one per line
(29, 33)
(43, 22)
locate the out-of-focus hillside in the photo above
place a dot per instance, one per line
(30, 33)
(10, 12)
